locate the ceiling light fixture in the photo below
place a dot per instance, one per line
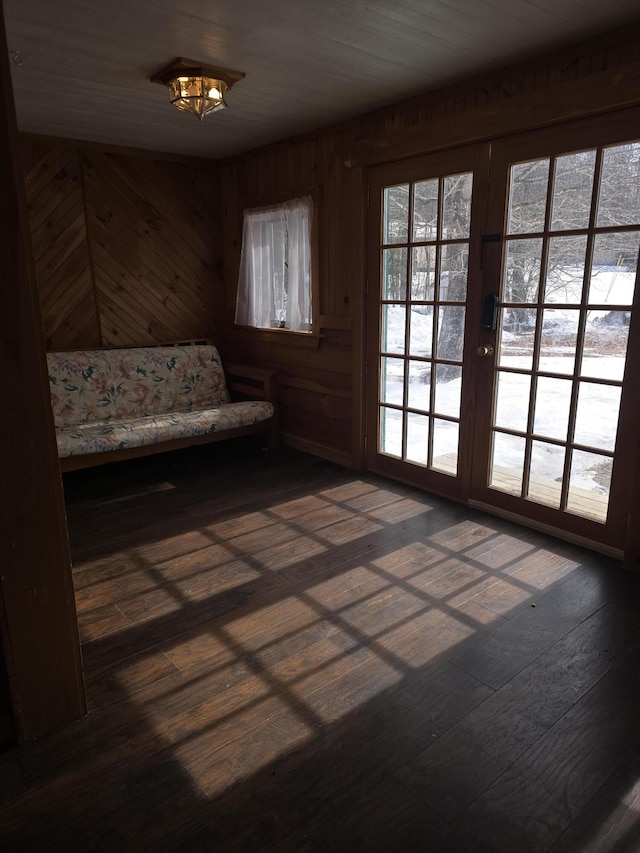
(197, 88)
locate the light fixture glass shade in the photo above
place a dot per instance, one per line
(197, 95)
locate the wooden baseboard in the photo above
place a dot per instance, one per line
(340, 457)
(574, 538)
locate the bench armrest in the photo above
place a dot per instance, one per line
(255, 383)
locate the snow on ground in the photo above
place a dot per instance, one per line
(598, 405)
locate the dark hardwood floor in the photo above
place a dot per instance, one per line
(284, 655)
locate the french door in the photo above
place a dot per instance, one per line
(424, 257)
(502, 330)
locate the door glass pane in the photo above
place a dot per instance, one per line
(517, 331)
(394, 278)
(565, 270)
(589, 485)
(558, 342)
(605, 345)
(448, 389)
(417, 438)
(425, 210)
(512, 400)
(528, 196)
(522, 271)
(553, 402)
(429, 324)
(569, 412)
(423, 273)
(572, 191)
(456, 206)
(619, 191)
(597, 415)
(445, 446)
(396, 214)
(507, 463)
(392, 333)
(421, 331)
(391, 380)
(419, 391)
(614, 267)
(546, 472)
(450, 332)
(453, 272)
(390, 431)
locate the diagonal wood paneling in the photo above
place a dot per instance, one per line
(53, 183)
(128, 250)
(155, 247)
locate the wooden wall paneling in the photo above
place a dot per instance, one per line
(114, 200)
(132, 306)
(186, 195)
(334, 321)
(77, 329)
(583, 96)
(54, 191)
(128, 250)
(71, 317)
(125, 312)
(321, 381)
(321, 359)
(594, 76)
(337, 338)
(232, 234)
(330, 255)
(315, 413)
(314, 402)
(156, 248)
(588, 58)
(329, 437)
(141, 284)
(37, 611)
(321, 403)
(355, 268)
(317, 387)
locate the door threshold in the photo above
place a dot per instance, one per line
(600, 547)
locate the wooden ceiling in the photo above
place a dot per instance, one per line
(81, 68)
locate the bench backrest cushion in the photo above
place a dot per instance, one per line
(120, 384)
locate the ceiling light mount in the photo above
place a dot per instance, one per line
(195, 87)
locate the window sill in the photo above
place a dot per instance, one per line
(283, 336)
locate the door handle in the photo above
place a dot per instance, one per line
(485, 349)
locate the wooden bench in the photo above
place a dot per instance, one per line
(115, 404)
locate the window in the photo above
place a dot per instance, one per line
(274, 287)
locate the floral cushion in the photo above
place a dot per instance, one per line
(115, 435)
(104, 385)
(114, 399)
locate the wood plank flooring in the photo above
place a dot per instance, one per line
(281, 655)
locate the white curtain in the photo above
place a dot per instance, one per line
(274, 286)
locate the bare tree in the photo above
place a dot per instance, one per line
(618, 203)
(441, 213)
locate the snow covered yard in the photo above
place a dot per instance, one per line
(604, 354)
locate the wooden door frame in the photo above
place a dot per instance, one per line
(617, 125)
(455, 160)
(37, 608)
(611, 129)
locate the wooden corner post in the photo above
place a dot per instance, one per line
(38, 621)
